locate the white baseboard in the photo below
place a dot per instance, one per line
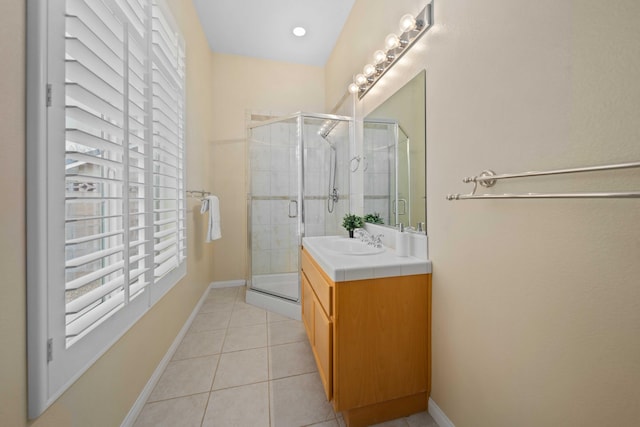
(155, 377)
(438, 415)
(227, 284)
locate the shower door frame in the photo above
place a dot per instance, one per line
(299, 117)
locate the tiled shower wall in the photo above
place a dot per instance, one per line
(318, 220)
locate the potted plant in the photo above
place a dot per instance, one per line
(350, 222)
(373, 218)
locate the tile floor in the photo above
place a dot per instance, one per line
(239, 365)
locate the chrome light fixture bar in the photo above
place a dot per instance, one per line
(395, 46)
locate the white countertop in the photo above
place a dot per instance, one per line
(342, 268)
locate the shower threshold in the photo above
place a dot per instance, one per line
(273, 303)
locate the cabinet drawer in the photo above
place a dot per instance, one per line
(320, 285)
(323, 332)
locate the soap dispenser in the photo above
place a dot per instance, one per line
(402, 241)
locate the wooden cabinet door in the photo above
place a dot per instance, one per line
(308, 309)
(323, 348)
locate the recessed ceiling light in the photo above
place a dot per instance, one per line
(299, 31)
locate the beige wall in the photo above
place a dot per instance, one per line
(242, 85)
(536, 311)
(106, 392)
(13, 368)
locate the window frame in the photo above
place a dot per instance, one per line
(52, 366)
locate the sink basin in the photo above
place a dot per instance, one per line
(346, 246)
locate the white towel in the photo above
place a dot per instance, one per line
(212, 204)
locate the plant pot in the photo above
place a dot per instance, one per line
(351, 233)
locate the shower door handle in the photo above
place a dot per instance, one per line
(293, 203)
(396, 206)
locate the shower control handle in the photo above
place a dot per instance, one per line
(293, 203)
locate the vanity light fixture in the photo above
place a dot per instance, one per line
(396, 45)
(368, 70)
(379, 57)
(407, 23)
(361, 80)
(392, 42)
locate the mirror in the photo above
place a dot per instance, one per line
(394, 157)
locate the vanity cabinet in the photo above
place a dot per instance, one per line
(371, 342)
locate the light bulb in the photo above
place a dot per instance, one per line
(353, 88)
(369, 70)
(360, 79)
(407, 23)
(379, 56)
(392, 41)
(299, 31)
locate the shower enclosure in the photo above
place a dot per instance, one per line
(298, 186)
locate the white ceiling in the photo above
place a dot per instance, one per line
(262, 28)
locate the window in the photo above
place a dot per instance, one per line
(106, 223)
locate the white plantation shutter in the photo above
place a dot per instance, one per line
(168, 146)
(95, 165)
(112, 192)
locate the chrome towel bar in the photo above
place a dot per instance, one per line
(488, 178)
(198, 193)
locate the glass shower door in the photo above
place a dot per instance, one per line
(403, 178)
(274, 156)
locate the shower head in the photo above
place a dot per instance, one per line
(326, 129)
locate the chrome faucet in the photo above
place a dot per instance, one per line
(370, 240)
(376, 240)
(362, 234)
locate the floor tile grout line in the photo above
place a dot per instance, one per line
(148, 402)
(215, 372)
(239, 385)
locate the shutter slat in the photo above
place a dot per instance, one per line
(82, 302)
(94, 160)
(76, 72)
(165, 221)
(92, 218)
(97, 17)
(89, 140)
(164, 29)
(166, 255)
(93, 121)
(160, 116)
(163, 269)
(165, 244)
(101, 60)
(76, 177)
(84, 96)
(98, 274)
(94, 256)
(98, 313)
(169, 135)
(93, 237)
(160, 102)
(164, 233)
(94, 33)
